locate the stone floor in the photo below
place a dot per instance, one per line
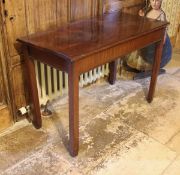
(120, 133)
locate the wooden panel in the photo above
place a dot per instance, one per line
(131, 3)
(29, 17)
(40, 15)
(3, 72)
(82, 9)
(112, 5)
(15, 23)
(63, 9)
(18, 84)
(2, 91)
(5, 118)
(129, 6)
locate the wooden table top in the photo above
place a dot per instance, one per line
(85, 37)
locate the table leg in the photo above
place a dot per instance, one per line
(155, 70)
(34, 98)
(73, 80)
(112, 71)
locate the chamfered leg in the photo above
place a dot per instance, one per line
(73, 81)
(112, 71)
(33, 91)
(155, 70)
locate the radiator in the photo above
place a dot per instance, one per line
(53, 83)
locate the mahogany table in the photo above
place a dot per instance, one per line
(83, 45)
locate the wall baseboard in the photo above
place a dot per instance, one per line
(5, 118)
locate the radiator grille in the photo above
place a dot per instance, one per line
(53, 83)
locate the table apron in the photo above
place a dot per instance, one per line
(50, 59)
(112, 53)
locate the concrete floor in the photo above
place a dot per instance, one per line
(120, 133)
